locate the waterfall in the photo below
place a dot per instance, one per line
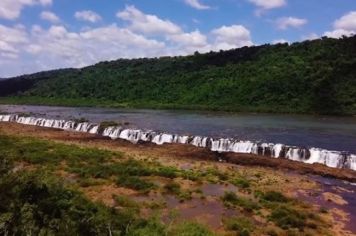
(352, 162)
(5, 118)
(312, 155)
(199, 141)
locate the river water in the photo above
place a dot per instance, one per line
(332, 133)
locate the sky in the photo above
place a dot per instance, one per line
(37, 35)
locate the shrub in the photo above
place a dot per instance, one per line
(150, 227)
(190, 229)
(241, 225)
(89, 182)
(185, 195)
(231, 199)
(190, 175)
(132, 167)
(135, 183)
(37, 203)
(173, 188)
(323, 210)
(286, 217)
(242, 183)
(273, 196)
(167, 171)
(125, 201)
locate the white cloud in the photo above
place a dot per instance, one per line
(26, 50)
(346, 22)
(49, 16)
(11, 40)
(11, 9)
(268, 4)
(87, 16)
(339, 33)
(187, 43)
(233, 36)
(148, 24)
(290, 22)
(197, 5)
(194, 38)
(345, 26)
(56, 47)
(310, 36)
(45, 2)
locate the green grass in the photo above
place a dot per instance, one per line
(81, 168)
(135, 182)
(125, 201)
(40, 152)
(286, 217)
(241, 225)
(172, 188)
(230, 199)
(167, 172)
(241, 182)
(39, 203)
(190, 229)
(273, 196)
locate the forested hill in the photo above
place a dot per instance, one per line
(309, 77)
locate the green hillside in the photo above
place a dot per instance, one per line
(309, 77)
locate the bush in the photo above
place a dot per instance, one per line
(89, 182)
(323, 210)
(273, 196)
(128, 167)
(286, 218)
(242, 183)
(231, 199)
(125, 201)
(135, 183)
(167, 171)
(241, 225)
(190, 175)
(40, 205)
(173, 188)
(150, 227)
(190, 229)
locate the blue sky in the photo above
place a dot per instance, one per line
(40, 35)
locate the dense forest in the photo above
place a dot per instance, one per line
(316, 76)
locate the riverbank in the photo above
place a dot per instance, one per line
(101, 103)
(248, 177)
(175, 151)
(334, 159)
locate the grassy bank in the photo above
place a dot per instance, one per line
(100, 191)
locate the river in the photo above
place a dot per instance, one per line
(327, 132)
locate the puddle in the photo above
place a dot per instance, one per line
(209, 211)
(346, 190)
(218, 190)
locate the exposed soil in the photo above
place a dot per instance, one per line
(289, 177)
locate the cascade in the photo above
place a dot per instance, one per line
(312, 155)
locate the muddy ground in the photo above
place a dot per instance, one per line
(293, 179)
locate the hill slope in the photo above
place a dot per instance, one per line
(310, 77)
